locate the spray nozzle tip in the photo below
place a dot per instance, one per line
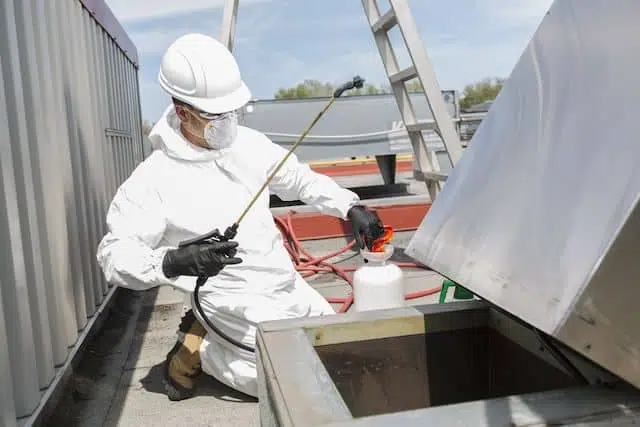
(380, 243)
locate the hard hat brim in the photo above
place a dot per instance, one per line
(230, 102)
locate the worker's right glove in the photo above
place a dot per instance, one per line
(200, 260)
(365, 222)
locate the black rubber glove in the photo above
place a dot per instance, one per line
(367, 222)
(200, 260)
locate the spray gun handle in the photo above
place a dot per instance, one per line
(203, 238)
(229, 234)
(357, 82)
(214, 235)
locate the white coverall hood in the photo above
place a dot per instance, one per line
(181, 191)
(166, 136)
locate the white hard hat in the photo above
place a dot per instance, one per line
(200, 71)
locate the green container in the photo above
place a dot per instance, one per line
(462, 293)
(459, 292)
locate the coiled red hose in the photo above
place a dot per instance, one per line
(308, 265)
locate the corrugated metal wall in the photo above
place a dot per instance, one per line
(70, 133)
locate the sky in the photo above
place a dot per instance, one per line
(280, 43)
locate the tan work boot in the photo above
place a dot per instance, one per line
(183, 361)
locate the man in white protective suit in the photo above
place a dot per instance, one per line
(202, 173)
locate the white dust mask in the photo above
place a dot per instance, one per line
(221, 132)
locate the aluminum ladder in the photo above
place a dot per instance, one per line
(399, 14)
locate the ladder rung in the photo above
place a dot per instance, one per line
(404, 75)
(421, 125)
(386, 22)
(434, 176)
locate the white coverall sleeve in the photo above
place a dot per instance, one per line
(129, 254)
(312, 188)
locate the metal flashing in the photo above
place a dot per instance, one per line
(108, 21)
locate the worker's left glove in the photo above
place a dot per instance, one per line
(201, 259)
(365, 222)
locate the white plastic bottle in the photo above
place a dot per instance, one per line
(378, 284)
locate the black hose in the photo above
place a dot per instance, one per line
(196, 300)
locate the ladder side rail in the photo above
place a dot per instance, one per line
(426, 75)
(379, 25)
(228, 27)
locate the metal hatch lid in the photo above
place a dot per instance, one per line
(540, 216)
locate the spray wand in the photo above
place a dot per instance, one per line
(357, 82)
(231, 231)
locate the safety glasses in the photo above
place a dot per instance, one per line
(211, 116)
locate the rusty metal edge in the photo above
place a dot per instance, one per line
(311, 226)
(103, 15)
(360, 169)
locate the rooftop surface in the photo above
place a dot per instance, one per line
(118, 381)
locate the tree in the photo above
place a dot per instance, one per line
(482, 91)
(414, 86)
(315, 88)
(476, 93)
